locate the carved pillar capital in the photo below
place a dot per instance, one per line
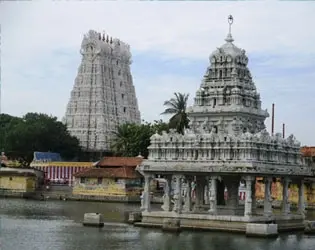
(168, 177)
(189, 178)
(249, 178)
(178, 176)
(267, 179)
(214, 177)
(286, 180)
(148, 175)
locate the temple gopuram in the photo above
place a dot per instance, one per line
(103, 95)
(227, 144)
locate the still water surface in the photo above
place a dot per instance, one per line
(56, 225)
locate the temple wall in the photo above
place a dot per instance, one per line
(92, 187)
(276, 191)
(18, 183)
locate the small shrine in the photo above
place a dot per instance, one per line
(227, 143)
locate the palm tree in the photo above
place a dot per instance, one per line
(123, 139)
(177, 107)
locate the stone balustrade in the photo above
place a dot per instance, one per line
(212, 147)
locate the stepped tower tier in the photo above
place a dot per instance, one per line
(227, 98)
(103, 95)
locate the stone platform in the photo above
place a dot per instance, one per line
(309, 227)
(226, 223)
(93, 220)
(261, 230)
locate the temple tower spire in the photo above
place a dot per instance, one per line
(227, 97)
(229, 37)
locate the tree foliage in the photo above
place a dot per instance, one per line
(177, 107)
(20, 137)
(133, 139)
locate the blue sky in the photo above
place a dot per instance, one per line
(170, 42)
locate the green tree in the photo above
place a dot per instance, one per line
(36, 132)
(177, 107)
(158, 126)
(7, 122)
(132, 139)
(123, 141)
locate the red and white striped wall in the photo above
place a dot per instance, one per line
(60, 172)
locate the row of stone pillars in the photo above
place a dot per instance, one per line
(285, 206)
(212, 185)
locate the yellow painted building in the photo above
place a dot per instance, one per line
(17, 182)
(118, 181)
(276, 192)
(104, 187)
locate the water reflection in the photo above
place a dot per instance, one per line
(31, 225)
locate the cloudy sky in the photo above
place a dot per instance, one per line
(171, 43)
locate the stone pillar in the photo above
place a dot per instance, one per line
(232, 188)
(188, 203)
(199, 193)
(220, 192)
(213, 195)
(178, 195)
(167, 194)
(301, 203)
(268, 198)
(248, 211)
(285, 196)
(146, 204)
(254, 205)
(206, 191)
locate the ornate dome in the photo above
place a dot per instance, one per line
(228, 52)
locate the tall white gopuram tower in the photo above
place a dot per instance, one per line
(103, 95)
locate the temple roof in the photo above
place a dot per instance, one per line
(17, 173)
(46, 156)
(229, 48)
(227, 98)
(119, 162)
(103, 43)
(61, 164)
(116, 172)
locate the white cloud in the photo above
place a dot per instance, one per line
(188, 29)
(32, 32)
